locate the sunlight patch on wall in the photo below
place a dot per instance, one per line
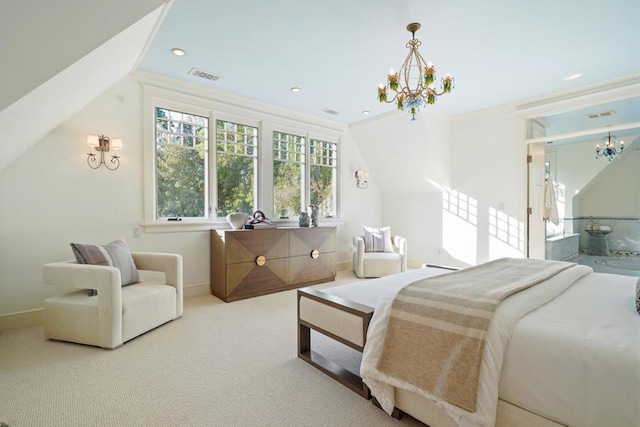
(460, 226)
(506, 235)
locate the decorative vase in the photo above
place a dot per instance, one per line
(237, 220)
(314, 215)
(303, 220)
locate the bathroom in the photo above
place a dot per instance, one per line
(597, 204)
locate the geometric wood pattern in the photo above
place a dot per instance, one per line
(286, 253)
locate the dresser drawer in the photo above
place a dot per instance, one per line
(306, 269)
(303, 241)
(250, 279)
(246, 245)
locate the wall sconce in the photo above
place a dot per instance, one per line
(103, 144)
(362, 179)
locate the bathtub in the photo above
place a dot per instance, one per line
(561, 246)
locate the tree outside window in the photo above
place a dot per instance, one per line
(236, 161)
(304, 169)
(181, 164)
(323, 160)
(288, 174)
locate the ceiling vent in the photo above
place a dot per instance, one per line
(204, 75)
(603, 114)
(329, 111)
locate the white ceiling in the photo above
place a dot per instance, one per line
(337, 51)
(578, 122)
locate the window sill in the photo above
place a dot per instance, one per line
(186, 225)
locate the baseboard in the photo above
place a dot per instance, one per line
(196, 290)
(22, 319)
(345, 265)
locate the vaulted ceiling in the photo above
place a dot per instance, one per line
(58, 56)
(337, 52)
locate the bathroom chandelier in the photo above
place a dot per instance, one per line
(423, 92)
(609, 150)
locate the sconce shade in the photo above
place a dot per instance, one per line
(362, 179)
(116, 144)
(93, 140)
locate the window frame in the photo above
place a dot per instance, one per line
(239, 120)
(207, 172)
(257, 116)
(327, 140)
(304, 178)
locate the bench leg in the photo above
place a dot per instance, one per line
(329, 367)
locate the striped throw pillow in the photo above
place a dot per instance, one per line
(377, 239)
(114, 254)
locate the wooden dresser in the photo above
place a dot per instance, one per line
(247, 263)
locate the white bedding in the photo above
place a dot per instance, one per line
(565, 360)
(369, 292)
(577, 360)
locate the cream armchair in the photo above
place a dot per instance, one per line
(117, 314)
(378, 264)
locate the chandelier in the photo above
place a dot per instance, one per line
(609, 150)
(423, 92)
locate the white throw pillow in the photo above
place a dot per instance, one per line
(377, 239)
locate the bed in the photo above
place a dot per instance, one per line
(571, 354)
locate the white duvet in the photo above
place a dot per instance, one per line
(577, 360)
(524, 366)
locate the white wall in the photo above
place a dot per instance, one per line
(488, 165)
(50, 197)
(572, 167)
(455, 188)
(614, 190)
(410, 162)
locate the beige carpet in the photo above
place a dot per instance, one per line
(219, 365)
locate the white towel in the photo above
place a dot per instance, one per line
(550, 204)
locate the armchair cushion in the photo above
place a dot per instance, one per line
(377, 239)
(114, 254)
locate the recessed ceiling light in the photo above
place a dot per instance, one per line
(178, 52)
(572, 76)
(365, 112)
(295, 89)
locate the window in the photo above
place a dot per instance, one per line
(181, 144)
(208, 163)
(288, 174)
(236, 167)
(323, 161)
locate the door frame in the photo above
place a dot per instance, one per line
(590, 95)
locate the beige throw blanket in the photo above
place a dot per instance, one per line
(436, 330)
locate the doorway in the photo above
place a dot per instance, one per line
(551, 132)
